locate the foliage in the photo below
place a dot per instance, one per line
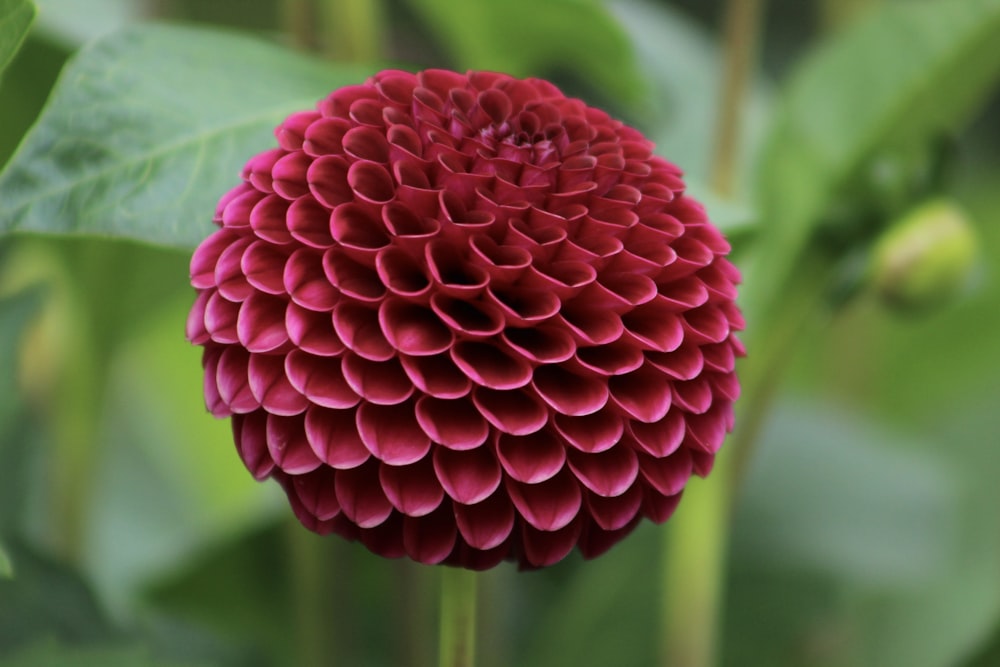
(864, 533)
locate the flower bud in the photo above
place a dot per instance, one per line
(925, 259)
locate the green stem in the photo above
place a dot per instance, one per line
(458, 617)
(741, 29)
(310, 596)
(695, 556)
(351, 30)
(298, 19)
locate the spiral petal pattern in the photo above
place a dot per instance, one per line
(466, 319)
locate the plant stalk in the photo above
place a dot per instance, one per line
(458, 617)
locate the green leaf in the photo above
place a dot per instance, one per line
(147, 128)
(527, 37)
(16, 17)
(907, 74)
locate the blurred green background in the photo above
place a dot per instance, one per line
(866, 532)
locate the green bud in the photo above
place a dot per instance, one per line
(925, 259)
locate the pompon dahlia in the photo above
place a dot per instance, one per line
(464, 318)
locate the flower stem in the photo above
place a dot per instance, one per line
(695, 556)
(458, 617)
(741, 29)
(352, 30)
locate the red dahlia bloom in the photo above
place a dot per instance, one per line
(464, 318)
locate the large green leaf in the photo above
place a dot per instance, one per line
(147, 128)
(527, 37)
(16, 17)
(906, 74)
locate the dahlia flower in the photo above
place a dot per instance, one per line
(464, 318)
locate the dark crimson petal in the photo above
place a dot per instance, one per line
(591, 433)
(220, 319)
(312, 331)
(615, 358)
(270, 386)
(413, 329)
(531, 458)
(614, 512)
(333, 436)
(684, 363)
(306, 283)
(401, 273)
(657, 507)
(316, 492)
(668, 475)
(358, 281)
(391, 433)
(541, 344)
(489, 366)
(361, 497)
(229, 277)
(709, 430)
(468, 477)
(358, 326)
(320, 379)
(264, 265)
(607, 473)
(726, 385)
(655, 326)
(591, 326)
(662, 438)
(385, 539)
(260, 325)
(487, 524)
(549, 505)
(568, 393)
(644, 394)
(720, 357)
(412, 489)
(233, 380)
(706, 325)
(694, 396)
(213, 400)
(430, 539)
(547, 547)
(378, 382)
(514, 412)
(468, 318)
(249, 431)
(288, 446)
(436, 375)
(358, 229)
(455, 424)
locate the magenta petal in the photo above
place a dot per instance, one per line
(468, 477)
(595, 542)
(333, 436)
(489, 366)
(655, 326)
(645, 394)
(707, 324)
(549, 505)
(547, 547)
(263, 265)
(306, 283)
(531, 458)
(358, 326)
(430, 539)
(615, 512)
(233, 380)
(719, 357)
(251, 443)
(316, 491)
(662, 438)
(385, 539)
(413, 329)
(312, 332)
(591, 433)
(320, 379)
(412, 489)
(694, 396)
(392, 434)
(726, 385)
(229, 278)
(358, 281)
(271, 387)
(684, 363)
(469, 318)
(514, 412)
(668, 475)
(267, 219)
(709, 430)
(486, 524)
(615, 358)
(194, 328)
(455, 424)
(206, 257)
(360, 495)
(288, 446)
(220, 319)
(657, 507)
(436, 376)
(379, 382)
(567, 393)
(308, 220)
(607, 473)
(213, 399)
(260, 325)
(541, 344)
(401, 273)
(591, 326)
